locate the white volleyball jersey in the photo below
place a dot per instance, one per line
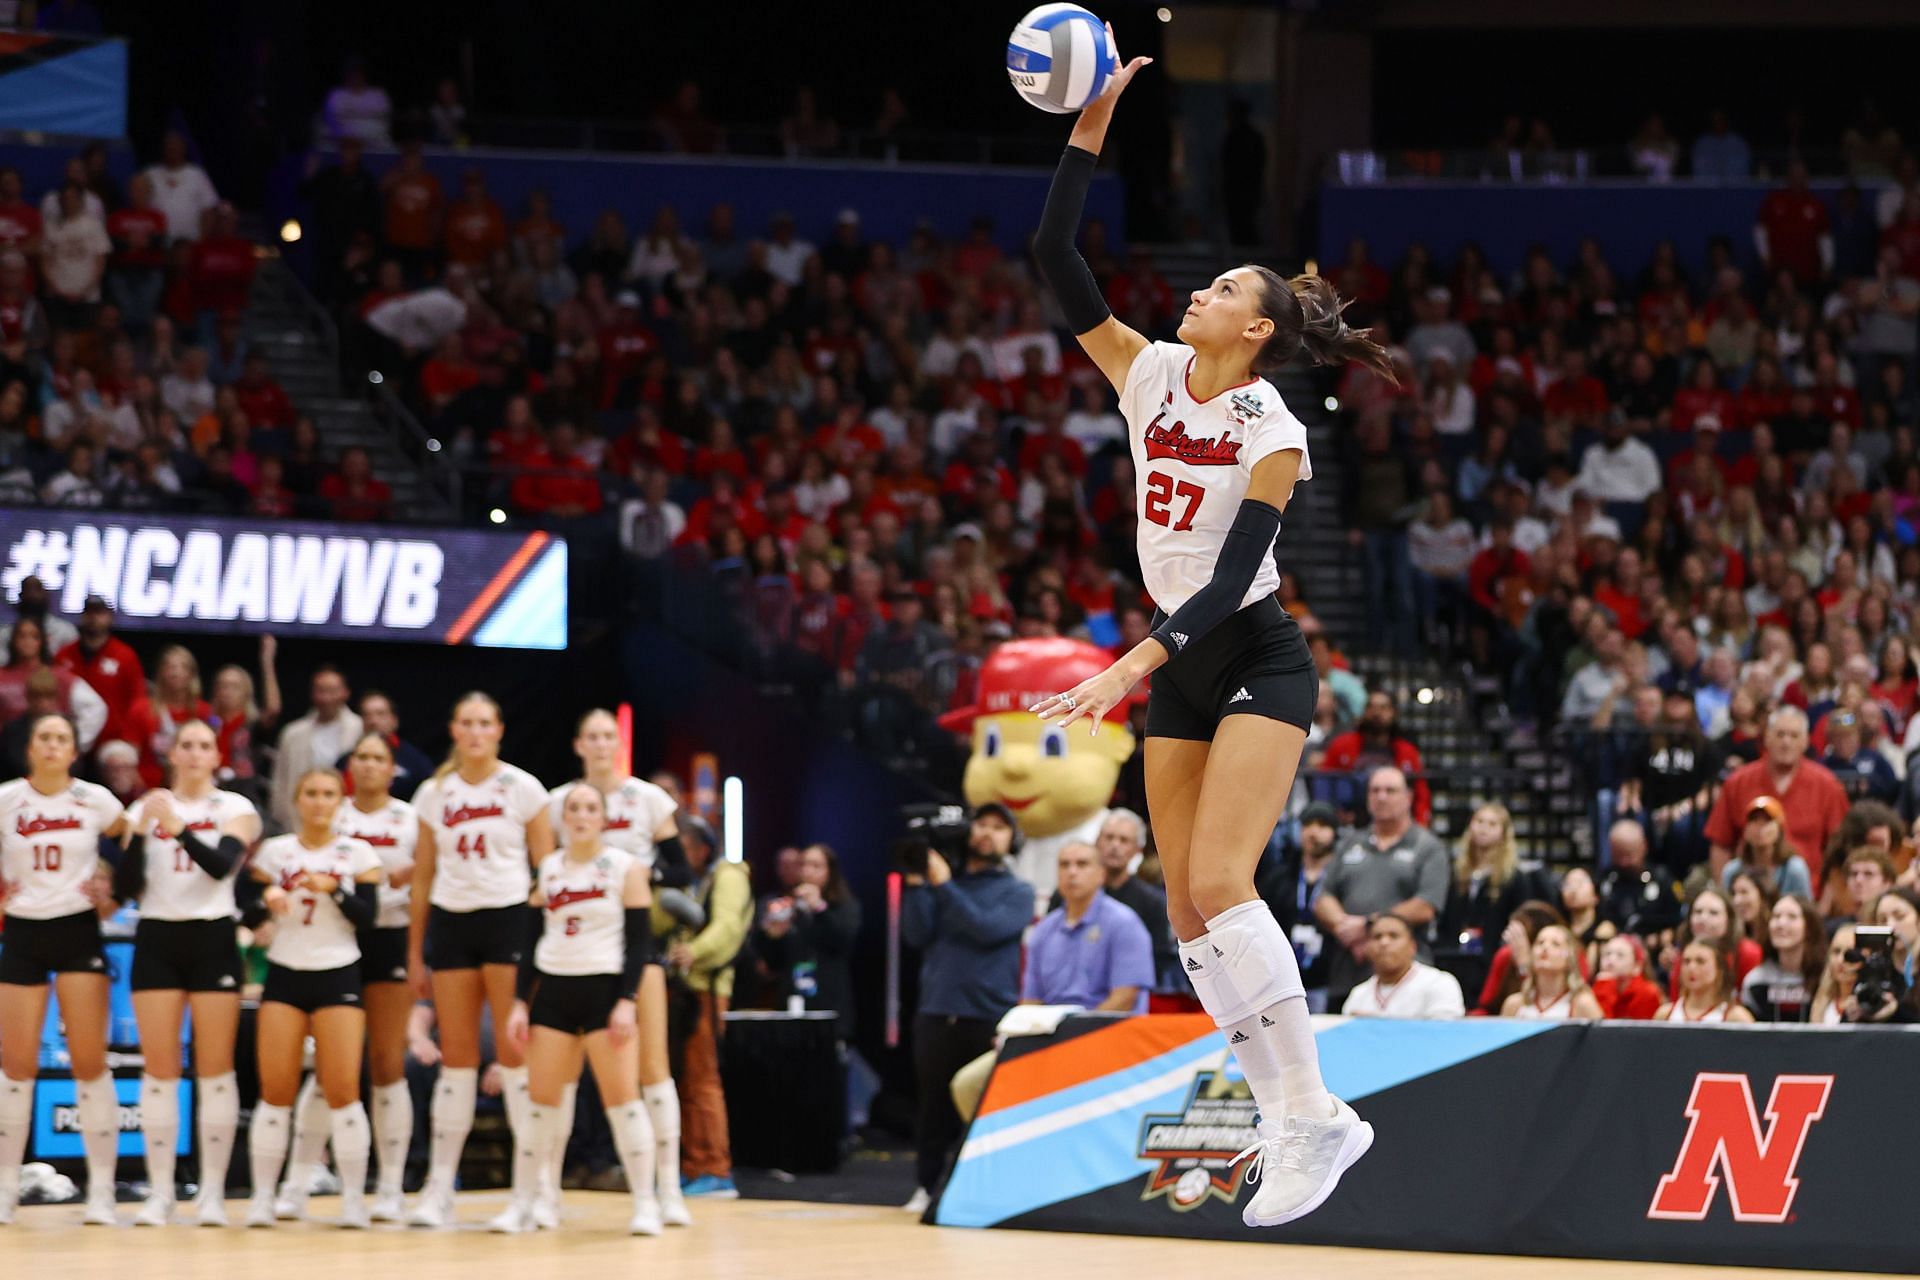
(635, 810)
(480, 837)
(177, 887)
(1192, 461)
(585, 914)
(50, 846)
(393, 830)
(315, 934)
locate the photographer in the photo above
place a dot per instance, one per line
(967, 926)
(806, 937)
(1886, 954)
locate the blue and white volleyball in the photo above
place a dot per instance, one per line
(1060, 57)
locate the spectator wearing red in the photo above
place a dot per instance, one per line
(1812, 799)
(1363, 280)
(354, 492)
(647, 443)
(264, 401)
(172, 701)
(720, 453)
(1832, 399)
(848, 438)
(1141, 286)
(1701, 397)
(221, 266)
(625, 344)
(724, 500)
(106, 663)
(19, 220)
(559, 483)
(413, 206)
(977, 466)
(1625, 988)
(1620, 594)
(1497, 568)
(1047, 437)
(1376, 741)
(1765, 396)
(447, 373)
(1711, 921)
(1576, 395)
(475, 227)
(137, 272)
(1794, 233)
(974, 255)
(271, 497)
(866, 613)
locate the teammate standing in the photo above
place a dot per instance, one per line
(640, 821)
(184, 846)
(589, 939)
(1217, 455)
(490, 829)
(321, 889)
(50, 829)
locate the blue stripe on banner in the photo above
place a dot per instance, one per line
(534, 613)
(1016, 1174)
(81, 94)
(1027, 60)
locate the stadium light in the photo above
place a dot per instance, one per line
(376, 377)
(1163, 13)
(290, 231)
(733, 798)
(497, 516)
(1333, 404)
(1424, 697)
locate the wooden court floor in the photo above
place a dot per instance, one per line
(749, 1239)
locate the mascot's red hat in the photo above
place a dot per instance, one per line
(1022, 672)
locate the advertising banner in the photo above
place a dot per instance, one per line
(290, 577)
(1759, 1146)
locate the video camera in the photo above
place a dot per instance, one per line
(936, 828)
(1872, 950)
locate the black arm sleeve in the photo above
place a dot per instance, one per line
(216, 860)
(358, 902)
(1065, 270)
(129, 866)
(670, 867)
(535, 924)
(639, 947)
(1255, 527)
(251, 897)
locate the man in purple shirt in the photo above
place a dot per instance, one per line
(1090, 950)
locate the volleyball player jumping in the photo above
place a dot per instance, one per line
(1218, 456)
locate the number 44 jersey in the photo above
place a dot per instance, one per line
(1192, 460)
(480, 837)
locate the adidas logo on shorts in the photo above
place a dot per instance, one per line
(1179, 638)
(1265, 1021)
(1238, 1037)
(1193, 966)
(226, 980)
(1242, 696)
(1217, 951)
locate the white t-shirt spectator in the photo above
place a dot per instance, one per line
(1010, 354)
(1529, 535)
(69, 490)
(787, 262)
(1628, 473)
(817, 500)
(1423, 992)
(364, 113)
(943, 353)
(190, 399)
(1444, 552)
(1091, 430)
(50, 207)
(419, 320)
(70, 255)
(647, 529)
(182, 194)
(1452, 413)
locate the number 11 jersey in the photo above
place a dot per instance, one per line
(1192, 460)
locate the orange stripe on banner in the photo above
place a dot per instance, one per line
(1088, 1057)
(470, 617)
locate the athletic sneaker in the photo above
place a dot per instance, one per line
(156, 1212)
(1298, 1163)
(673, 1208)
(433, 1207)
(713, 1186)
(291, 1204)
(100, 1210)
(546, 1211)
(260, 1212)
(646, 1218)
(918, 1202)
(353, 1213)
(388, 1206)
(514, 1220)
(210, 1209)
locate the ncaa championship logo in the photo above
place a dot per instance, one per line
(1725, 1141)
(1193, 1150)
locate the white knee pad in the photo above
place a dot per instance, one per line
(1253, 962)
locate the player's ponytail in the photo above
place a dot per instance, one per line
(1306, 316)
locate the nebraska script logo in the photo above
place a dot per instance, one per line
(1724, 1139)
(1202, 451)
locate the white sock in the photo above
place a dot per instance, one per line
(392, 1133)
(99, 1130)
(311, 1126)
(218, 1100)
(1288, 1028)
(663, 1108)
(267, 1139)
(352, 1141)
(1255, 980)
(16, 1119)
(563, 1128)
(160, 1127)
(452, 1117)
(514, 1096)
(533, 1141)
(633, 1135)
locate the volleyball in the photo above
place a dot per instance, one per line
(1059, 57)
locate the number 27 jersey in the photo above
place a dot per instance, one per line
(1192, 461)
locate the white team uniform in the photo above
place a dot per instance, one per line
(50, 846)
(1192, 461)
(315, 934)
(635, 810)
(177, 888)
(480, 837)
(586, 914)
(393, 830)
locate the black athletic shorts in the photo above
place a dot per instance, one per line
(309, 990)
(470, 939)
(576, 1004)
(1254, 663)
(383, 955)
(186, 955)
(31, 949)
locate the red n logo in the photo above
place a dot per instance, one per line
(1723, 1134)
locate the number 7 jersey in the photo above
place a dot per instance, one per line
(1192, 461)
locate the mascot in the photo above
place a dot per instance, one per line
(1055, 781)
